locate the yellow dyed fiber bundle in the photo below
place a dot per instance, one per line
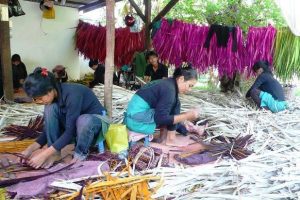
(14, 146)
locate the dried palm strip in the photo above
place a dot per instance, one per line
(14, 146)
(18, 114)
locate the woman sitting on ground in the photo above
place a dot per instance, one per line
(70, 112)
(157, 105)
(266, 91)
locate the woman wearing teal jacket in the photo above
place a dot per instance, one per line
(266, 91)
(157, 105)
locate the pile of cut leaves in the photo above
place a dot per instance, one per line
(31, 131)
(220, 146)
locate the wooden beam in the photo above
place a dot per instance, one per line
(109, 60)
(137, 10)
(5, 52)
(75, 3)
(71, 4)
(94, 5)
(147, 24)
(164, 11)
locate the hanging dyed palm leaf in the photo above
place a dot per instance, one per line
(287, 54)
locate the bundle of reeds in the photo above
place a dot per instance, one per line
(18, 114)
(287, 54)
(31, 131)
(122, 186)
(231, 147)
(14, 146)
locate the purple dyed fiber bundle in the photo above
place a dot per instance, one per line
(183, 42)
(259, 46)
(40, 186)
(197, 159)
(226, 61)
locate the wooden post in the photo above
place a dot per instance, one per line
(5, 52)
(148, 23)
(110, 51)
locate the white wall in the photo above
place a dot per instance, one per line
(44, 42)
(84, 66)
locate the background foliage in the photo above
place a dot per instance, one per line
(243, 13)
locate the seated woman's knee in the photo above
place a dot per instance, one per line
(87, 119)
(51, 109)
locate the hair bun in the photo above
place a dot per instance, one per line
(37, 70)
(266, 62)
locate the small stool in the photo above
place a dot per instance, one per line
(101, 147)
(146, 142)
(100, 144)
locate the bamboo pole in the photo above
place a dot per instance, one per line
(5, 52)
(147, 24)
(109, 60)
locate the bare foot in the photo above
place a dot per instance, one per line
(51, 160)
(75, 160)
(173, 140)
(162, 136)
(68, 158)
(175, 143)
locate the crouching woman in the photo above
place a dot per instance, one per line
(266, 91)
(70, 113)
(157, 105)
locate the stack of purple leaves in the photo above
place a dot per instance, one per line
(221, 146)
(31, 131)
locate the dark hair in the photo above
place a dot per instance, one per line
(93, 62)
(60, 73)
(187, 71)
(39, 83)
(151, 53)
(264, 64)
(16, 57)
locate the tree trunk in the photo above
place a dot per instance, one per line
(109, 60)
(147, 24)
(228, 84)
(5, 54)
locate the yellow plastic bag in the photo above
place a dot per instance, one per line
(117, 138)
(49, 14)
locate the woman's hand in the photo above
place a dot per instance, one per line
(28, 152)
(40, 159)
(193, 114)
(190, 115)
